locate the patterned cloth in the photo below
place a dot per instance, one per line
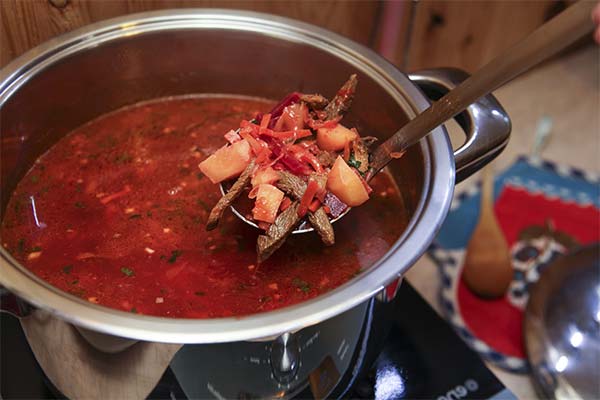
(544, 210)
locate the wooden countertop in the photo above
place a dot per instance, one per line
(567, 90)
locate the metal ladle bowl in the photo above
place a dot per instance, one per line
(304, 226)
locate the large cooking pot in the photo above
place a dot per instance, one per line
(76, 77)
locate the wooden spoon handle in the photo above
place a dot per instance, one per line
(547, 40)
(487, 189)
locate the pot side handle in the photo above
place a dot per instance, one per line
(486, 124)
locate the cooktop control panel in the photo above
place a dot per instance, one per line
(315, 356)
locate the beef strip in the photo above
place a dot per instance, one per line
(360, 153)
(326, 158)
(291, 184)
(342, 100)
(320, 221)
(278, 232)
(314, 101)
(369, 141)
(238, 187)
(296, 187)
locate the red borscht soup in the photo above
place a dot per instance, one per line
(115, 213)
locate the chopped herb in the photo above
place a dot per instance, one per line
(133, 310)
(302, 285)
(174, 255)
(21, 245)
(75, 282)
(41, 167)
(127, 271)
(199, 293)
(199, 175)
(36, 248)
(79, 292)
(202, 204)
(18, 207)
(79, 204)
(79, 188)
(67, 269)
(184, 171)
(134, 216)
(123, 158)
(35, 179)
(353, 162)
(356, 273)
(148, 213)
(162, 257)
(242, 286)
(107, 142)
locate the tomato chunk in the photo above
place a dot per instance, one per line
(268, 200)
(227, 162)
(343, 182)
(335, 139)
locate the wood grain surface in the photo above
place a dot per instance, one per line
(27, 23)
(427, 34)
(468, 34)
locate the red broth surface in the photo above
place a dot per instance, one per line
(115, 213)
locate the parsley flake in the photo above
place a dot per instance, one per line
(302, 285)
(174, 255)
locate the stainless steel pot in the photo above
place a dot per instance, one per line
(71, 79)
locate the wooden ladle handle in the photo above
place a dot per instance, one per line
(547, 40)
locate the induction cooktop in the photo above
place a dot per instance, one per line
(422, 358)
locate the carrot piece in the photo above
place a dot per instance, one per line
(256, 144)
(312, 160)
(285, 203)
(346, 155)
(307, 197)
(263, 157)
(314, 206)
(263, 225)
(111, 197)
(264, 122)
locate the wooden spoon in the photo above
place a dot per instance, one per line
(488, 270)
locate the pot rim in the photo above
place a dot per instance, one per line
(427, 219)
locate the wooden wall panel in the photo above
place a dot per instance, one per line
(467, 34)
(26, 23)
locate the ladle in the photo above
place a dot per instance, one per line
(550, 38)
